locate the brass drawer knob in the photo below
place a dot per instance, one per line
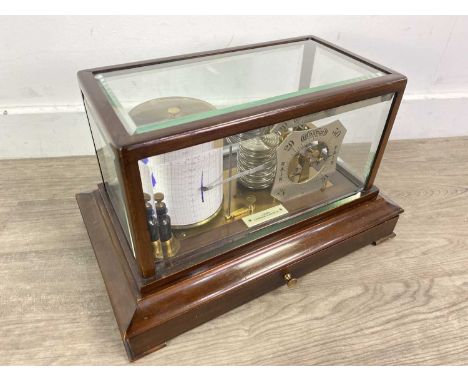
(290, 281)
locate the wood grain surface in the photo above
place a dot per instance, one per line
(402, 302)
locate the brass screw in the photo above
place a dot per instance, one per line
(290, 281)
(159, 197)
(173, 111)
(251, 199)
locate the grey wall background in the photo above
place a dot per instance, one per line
(40, 105)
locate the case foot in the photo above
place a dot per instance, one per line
(382, 239)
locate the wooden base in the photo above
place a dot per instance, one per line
(147, 318)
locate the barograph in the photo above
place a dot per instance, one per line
(228, 173)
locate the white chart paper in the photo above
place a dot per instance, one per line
(180, 176)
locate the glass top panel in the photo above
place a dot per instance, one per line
(158, 96)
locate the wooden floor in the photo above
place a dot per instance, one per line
(403, 302)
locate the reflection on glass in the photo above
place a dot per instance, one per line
(110, 171)
(225, 193)
(228, 82)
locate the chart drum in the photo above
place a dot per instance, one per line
(180, 175)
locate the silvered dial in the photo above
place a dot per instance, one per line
(305, 159)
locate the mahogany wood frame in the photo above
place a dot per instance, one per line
(150, 311)
(131, 148)
(148, 318)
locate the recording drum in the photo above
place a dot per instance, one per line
(181, 175)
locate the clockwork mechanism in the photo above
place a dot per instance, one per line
(308, 163)
(305, 158)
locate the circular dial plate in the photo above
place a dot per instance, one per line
(305, 158)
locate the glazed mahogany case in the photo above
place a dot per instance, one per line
(228, 173)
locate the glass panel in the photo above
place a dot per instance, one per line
(367, 119)
(332, 67)
(207, 199)
(110, 172)
(226, 82)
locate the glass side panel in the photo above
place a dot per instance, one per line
(207, 199)
(110, 171)
(208, 86)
